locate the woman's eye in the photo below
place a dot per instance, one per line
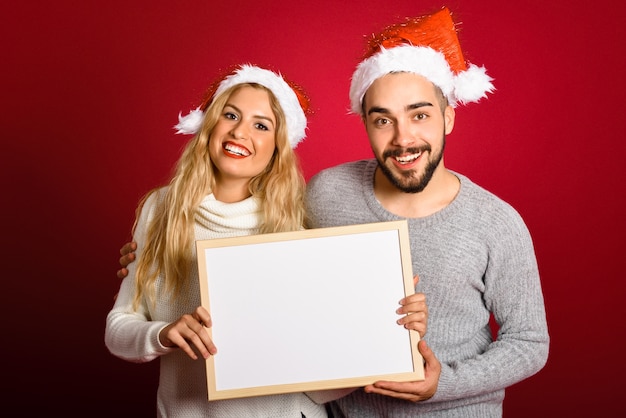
(261, 127)
(230, 115)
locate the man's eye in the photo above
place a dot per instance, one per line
(421, 116)
(382, 121)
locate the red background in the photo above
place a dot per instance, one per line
(90, 91)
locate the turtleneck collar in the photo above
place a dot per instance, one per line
(230, 219)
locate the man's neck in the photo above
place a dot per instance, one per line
(440, 191)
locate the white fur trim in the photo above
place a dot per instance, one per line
(294, 115)
(191, 123)
(472, 85)
(467, 86)
(419, 60)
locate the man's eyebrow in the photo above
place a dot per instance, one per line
(377, 109)
(412, 106)
(418, 105)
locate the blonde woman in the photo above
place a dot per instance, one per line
(238, 176)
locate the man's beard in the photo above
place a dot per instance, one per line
(407, 182)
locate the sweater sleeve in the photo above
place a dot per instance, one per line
(512, 292)
(130, 333)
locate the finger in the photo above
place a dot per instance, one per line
(188, 332)
(181, 343)
(204, 319)
(415, 297)
(417, 317)
(416, 314)
(418, 326)
(431, 363)
(394, 390)
(125, 260)
(127, 248)
(199, 336)
(419, 298)
(203, 316)
(416, 280)
(121, 273)
(200, 345)
(413, 391)
(413, 307)
(409, 306)
(204, 344)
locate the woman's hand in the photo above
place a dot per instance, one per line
(190, 329)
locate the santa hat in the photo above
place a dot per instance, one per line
(427, 46)
(291, 98)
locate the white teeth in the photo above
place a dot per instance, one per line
(408, 158)
(236, 150)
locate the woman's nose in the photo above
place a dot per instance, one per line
(239, 131)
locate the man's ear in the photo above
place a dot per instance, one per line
(448, 118)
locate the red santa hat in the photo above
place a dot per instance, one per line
(427, 46)
(291, 98)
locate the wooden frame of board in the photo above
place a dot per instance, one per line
(308, 310)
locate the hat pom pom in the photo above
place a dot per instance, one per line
(472, 84)
(191, 123)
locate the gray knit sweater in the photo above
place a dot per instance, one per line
(473, 257)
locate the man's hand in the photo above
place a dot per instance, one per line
(415, 309)
(413, 391)
(127, 253)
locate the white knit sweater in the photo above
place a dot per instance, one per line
(133, 335)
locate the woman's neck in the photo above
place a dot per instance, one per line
(231, 191)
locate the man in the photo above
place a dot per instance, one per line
(472, 251)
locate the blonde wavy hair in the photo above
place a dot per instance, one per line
(168, 250)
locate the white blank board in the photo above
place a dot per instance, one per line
(308, 310)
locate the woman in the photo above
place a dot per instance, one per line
(237, 176)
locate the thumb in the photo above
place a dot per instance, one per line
(430, 360)
(416, 280)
